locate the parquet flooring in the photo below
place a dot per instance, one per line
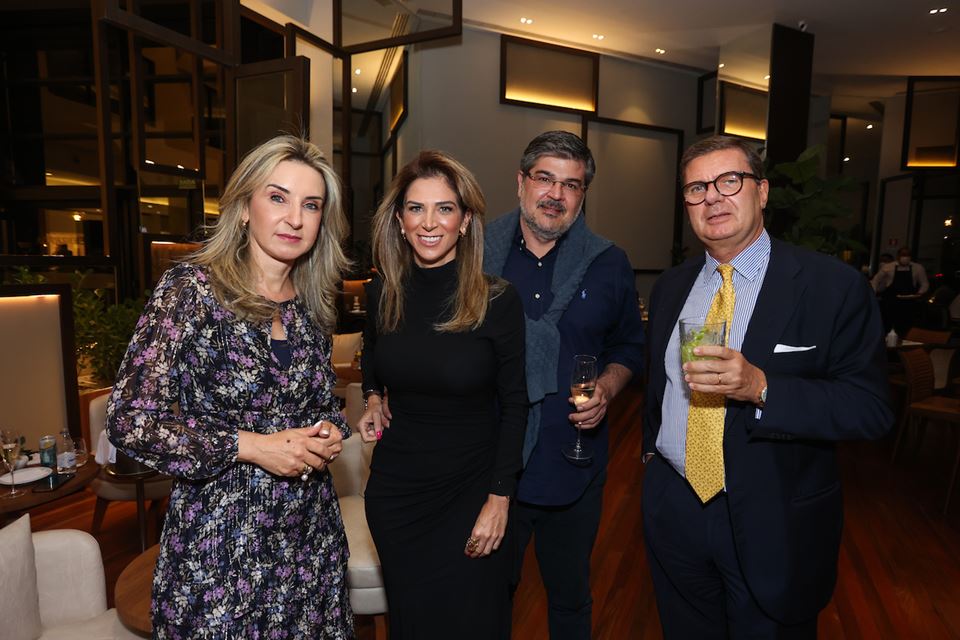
(899, 561)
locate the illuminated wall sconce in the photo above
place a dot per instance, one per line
(549, 76)
(931, 129)
(743, 111)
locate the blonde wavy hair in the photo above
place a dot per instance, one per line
(316, 275)
(393, 256)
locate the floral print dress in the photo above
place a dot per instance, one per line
(244, 553)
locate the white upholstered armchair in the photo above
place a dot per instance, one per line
(52, 586)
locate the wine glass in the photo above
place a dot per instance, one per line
(80, 446)
(10, 442)
(583, 382)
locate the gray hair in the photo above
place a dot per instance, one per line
(559, 144)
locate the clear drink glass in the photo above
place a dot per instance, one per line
(10, 443)
(696, 332)
(583, 382)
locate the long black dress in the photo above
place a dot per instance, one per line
(459, 409)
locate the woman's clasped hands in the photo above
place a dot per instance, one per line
(292, 452)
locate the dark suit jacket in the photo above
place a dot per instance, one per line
(783, 485)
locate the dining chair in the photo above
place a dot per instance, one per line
(923, 405)
(107, 490)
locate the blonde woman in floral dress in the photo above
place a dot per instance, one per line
(227, 387)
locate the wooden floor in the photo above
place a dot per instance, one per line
(899, 562)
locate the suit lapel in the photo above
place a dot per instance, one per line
(674, 296)
(779, 296)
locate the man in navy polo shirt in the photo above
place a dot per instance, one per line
(579, 297)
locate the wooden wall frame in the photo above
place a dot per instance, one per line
(912, 82)
(506, 41)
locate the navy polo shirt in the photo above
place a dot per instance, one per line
(602, 319)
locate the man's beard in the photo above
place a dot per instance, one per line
(543, 234)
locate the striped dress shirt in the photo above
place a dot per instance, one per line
(749, 267)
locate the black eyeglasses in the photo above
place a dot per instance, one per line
(545, 183)
(726, 184)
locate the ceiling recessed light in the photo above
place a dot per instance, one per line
(660, 51)
(943, 10)
(149, 161)
(526, 20)
(356, 71)
(354, 90)
(846, 158)
(77, 217)
(869, 126)
(932, 11)
(721, 66)
(49, 174)
(766, 77)
(598, 36)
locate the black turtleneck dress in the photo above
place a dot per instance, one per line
(459, 407)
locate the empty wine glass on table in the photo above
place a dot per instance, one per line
(10, 441)
(583, 382)
(80, 446)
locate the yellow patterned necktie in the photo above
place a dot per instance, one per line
(704, 462)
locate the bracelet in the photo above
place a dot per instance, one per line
(368, 393)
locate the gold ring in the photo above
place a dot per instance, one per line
(472, 544)
(719, 379)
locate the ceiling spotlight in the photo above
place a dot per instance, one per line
(766, 77)
(526, 20)
(354, 90)
(356, 71)
(948, 222)
(869, 126)
(598, 36)
(149, 161)
(932, 11)
(846, 158)
(721, 66)
(48, 173)
(77, 217)
(660, 51)
(943, 10)
(179, 166)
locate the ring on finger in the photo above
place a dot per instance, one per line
(719, 379)
(472, 544)
(305, 472)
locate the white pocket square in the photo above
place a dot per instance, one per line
(786, 348)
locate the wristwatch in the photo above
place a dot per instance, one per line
(763, 396)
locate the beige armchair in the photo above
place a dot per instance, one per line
(155, 489)
(52, 586)
(350, 472)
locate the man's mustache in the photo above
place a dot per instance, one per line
(553, 204)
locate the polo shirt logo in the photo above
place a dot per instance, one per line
(583, 294)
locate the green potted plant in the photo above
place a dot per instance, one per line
(804, 208)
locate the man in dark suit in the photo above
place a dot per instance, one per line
(752, 550)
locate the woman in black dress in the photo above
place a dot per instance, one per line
(444, 349)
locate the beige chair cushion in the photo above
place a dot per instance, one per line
(364, 575)
(19, 602)
(106, 625)
(345, 345)
(70, 579)
(351, 469)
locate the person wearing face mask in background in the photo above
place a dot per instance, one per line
(900, 285)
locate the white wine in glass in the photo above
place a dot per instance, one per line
(10, 443)
(583, 382)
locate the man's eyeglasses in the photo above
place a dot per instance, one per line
(726, 184)
(545, 183)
